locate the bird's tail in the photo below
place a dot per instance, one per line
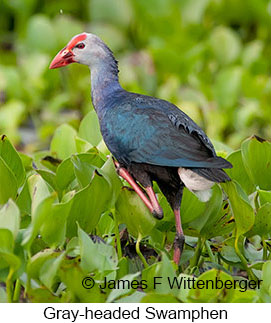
(200, 180)
(212, 174)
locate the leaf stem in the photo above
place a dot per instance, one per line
(117, 234)
(209, 251)
(17, 291)
(9, 285)
(249, 271)
(194, 261)
(139, 238)
(264, 249)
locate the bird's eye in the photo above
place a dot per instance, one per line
(80, 45)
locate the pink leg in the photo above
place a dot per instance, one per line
(157, 210)
(151, 204)
(179, 238)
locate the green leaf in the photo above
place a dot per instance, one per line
(212, 295)
(53, 228)
(72, 275)
(264, 197)
(262, 224)
(12, 159)
(84, 166)
(48, 271)
(204, 223)
(90, 129)
(256, 154)
(133, 212)
(38, 191)
(7, 258)
(191, 207)
(49, 177)
(8, 187)
(239, 173)
(38, 218)
(164, 272)
(227, 86)
(10, 217)
(241, 209)
(65, 174)
(105, 255)
(63, 142)
(35, 264)
(158, 298)
(225, 44)
(88, 205)
(109, 170)
(117, 293)
(265, 291)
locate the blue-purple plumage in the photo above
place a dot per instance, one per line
(142, 129)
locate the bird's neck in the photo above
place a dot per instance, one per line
(104, 83)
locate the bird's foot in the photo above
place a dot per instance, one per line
(178, 247)
(158, 214)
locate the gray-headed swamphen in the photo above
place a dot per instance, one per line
(150, 139)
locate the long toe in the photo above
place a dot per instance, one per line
(158, 214)
(178, 247)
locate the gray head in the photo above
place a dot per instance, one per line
(87, 49)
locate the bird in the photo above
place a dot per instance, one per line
(151, 139)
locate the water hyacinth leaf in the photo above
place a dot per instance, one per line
(105, 259)
(10, 217)
(7, 258)
(88, 205)
(82, 145)
(8, 187)
(6, 240)
(38, 218)
(227, 86)
(239, 173)
(85, 164)
(65, 174)
(89, 129)
(48, 271)
(24, 200)
(72, 275)
(191, 207)
(134, 214)
(135, 297)
(212, 294)
(53, 230)
(221, 224)
(38, 191)
(166, 275)
(265, 291)
(158, 298)
(225, 44)
(36, 262)
(240, 207)
(118, 292)
(264, 197)
(262, 224)
(256, 154)
(63, 142)
(12, 159)
(50, 162)
(203, 223)
(49, 177)
(41, 34)
(3, 295)
(108, 169)
(117, 13)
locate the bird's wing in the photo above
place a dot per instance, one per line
(165, 137)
